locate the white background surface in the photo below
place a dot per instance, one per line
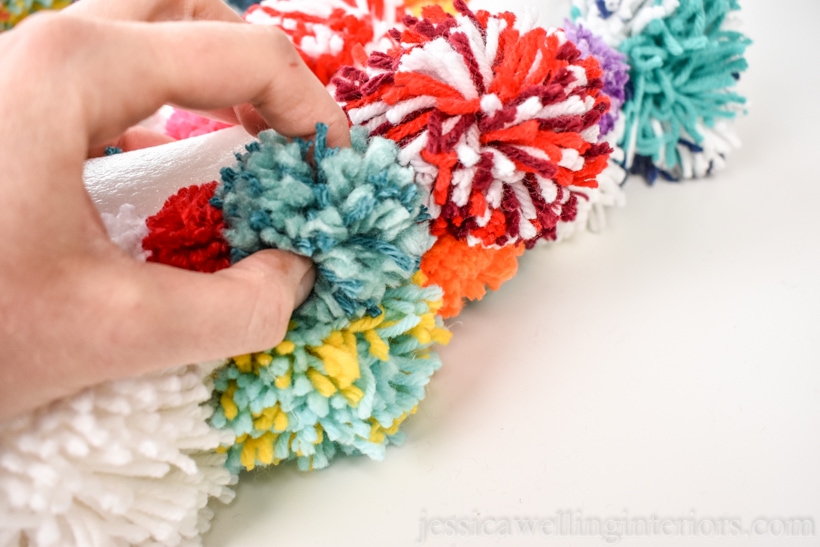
(668, 366)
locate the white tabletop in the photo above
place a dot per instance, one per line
(668, 367)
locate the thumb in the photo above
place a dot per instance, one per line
(175, 317)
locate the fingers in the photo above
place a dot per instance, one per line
(204, 66)
(155, 10)
(170, 316)
(121, 72)
(175, 10)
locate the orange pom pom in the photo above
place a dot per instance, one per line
(465, 272)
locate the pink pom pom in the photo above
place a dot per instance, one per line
(183, 124)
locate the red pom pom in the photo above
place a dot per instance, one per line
(187, 232)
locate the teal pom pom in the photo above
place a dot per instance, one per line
(355, 214)
(356, 358)
(682, 68)
(685, 59)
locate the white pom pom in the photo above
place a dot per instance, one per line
(130, 462)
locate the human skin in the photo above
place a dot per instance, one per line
(74, 309)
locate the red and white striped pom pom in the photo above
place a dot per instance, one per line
(331, 33)
(497, 119)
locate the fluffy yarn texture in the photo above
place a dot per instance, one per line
(614, 67)
(616, 20)
(182, 124)
(14, 11)
(497, 120)
(187, 232)
(357, 215)
(326, 390)
(131, 462)
(592, 202)
(356, 357)
(330, 34)
(684, 59)
(464, 273)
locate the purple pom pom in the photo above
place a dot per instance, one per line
(613, 63)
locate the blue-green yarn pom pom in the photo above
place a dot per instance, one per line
(355, 214)
(683, 67)
(356, 357)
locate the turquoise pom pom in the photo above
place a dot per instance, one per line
(685, 59)
(682, 69)
(356, 214)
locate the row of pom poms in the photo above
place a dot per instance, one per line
(683, 58)
(515, 163)
(348, 387)
(509, 131)
(687, 129)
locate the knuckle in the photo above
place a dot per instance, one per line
(48, 39)
(281, 47)
(278, 39)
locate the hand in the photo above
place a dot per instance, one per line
(74, 309)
